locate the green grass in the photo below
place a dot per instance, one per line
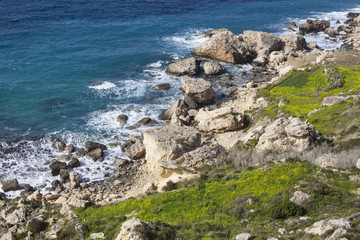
(213, 207)
(301, 92)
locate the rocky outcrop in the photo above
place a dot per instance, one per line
(203, 156)
(223, 46)
(321, 227)
(188, 66)
(168, 143)
(133, 229)
(146, 121)
(198, 89)
(219, 120)
(287, 134)
(213, 68)
(293, 43)
(313, 26)
(262, 43)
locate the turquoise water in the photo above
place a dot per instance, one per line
(68, 68)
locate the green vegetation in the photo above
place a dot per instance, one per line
(301, 92)
(215, 205)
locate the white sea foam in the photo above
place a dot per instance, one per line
(188, 39)
(103, 86)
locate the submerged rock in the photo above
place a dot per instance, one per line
(56, 166)
(188, 66)
(146, 121)
(162, 86)
(90, 146)
(122, 119)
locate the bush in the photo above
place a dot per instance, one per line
(285, 210)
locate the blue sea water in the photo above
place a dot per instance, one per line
(68, 68)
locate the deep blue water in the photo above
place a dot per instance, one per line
(66, 64)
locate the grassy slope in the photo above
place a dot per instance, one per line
(301, 92)
(214, 207)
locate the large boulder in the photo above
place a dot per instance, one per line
(168, 143)
(133, 229)
(223, 46)
(91, 146)
(262, 43)
(199, 89)
(313, 26)
(97, 154)
(177, 107)
(323, 226)
(219, 120)
(213, 68)
(331, 32)
(180, 67)
(56, 166)
(134, 148)
(290, 134)
(293, 43)
(11, 185)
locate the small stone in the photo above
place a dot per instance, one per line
(244, 236)
(300, 198)
(94, 236)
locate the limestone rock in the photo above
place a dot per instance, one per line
(262, 42)
(80, 153)
(96, 154)
(162, 86)
(321, 227)
(203, 156)
(358, 164)
(37, 225)
(223, 46)
(219, 120)
(146, 121)
(293, 43)
(133, 229)
(277, 57)
(337, 234)
(74, 163)
(122, 119)
(74, 180)
(213, 68)
(188, 66)
(178, 107)
(99, 235)
(70, 148)
(168, 143)
(288, 135)
(35, 196)
(16, 217)
(56, 166)
(119, 162)
(300, 198)
(134, 149)
(199, 89)
(7, 236)
(331, 32)
(11, 185)
(91, 146)
(313, 26)
(244, 236)
(329, 101)
(76, 201)
(60, 144)
(357, 21)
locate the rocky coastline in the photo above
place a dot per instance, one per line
(199, 131)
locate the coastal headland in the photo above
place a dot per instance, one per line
(277, 158)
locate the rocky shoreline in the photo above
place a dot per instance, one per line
(198, 132)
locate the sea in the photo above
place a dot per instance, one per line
(69, 68)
